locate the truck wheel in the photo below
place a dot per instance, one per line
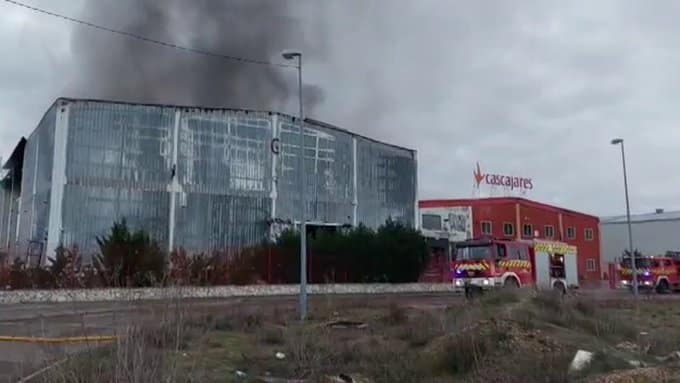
(510, 283)
(662, 287)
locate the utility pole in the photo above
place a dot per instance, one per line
(290, 55)
(633, 266)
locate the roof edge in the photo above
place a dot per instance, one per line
(307, 119)
(460, 201)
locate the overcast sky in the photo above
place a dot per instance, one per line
(533, 89)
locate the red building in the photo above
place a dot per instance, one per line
(513, 217)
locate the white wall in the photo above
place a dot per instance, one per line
(651, 238)
(456, 222)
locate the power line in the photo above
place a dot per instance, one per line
(148, 39)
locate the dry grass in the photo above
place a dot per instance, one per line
(504, 337)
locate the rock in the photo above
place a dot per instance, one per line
(637, 363)
(241, 374)
(581, 359)
(280, 356)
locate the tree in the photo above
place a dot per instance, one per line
(129, 259)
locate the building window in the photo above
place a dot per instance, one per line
(549, 231)
(571, 232)
(590, 265)
(527, 230)
(508, 229)
(486, 227)
(589, 234)
(432, 222)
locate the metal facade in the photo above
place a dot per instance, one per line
(202, 179)
(652, 235)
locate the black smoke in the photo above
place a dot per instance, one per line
(120, 68)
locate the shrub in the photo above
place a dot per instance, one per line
(465, 351)
(394, 253)
(19, 276)
(66, 268)
(197, 270)
(129, 259)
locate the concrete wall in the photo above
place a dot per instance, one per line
(108, 295)
(650, 238)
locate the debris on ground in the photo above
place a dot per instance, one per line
(280, 356)
(628, 346)
(270, 379)
(346, 378)
(581, 360)
(241, 374)
(637, 363)
(673, 356)
(347, 324)
(648, 374)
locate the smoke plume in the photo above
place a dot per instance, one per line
(120, 68)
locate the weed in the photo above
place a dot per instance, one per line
(500, 297)
(272, 336)
(465, 352)
(311, 353)
(585, 307)
(396, 315)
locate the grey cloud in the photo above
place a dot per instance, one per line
(533, 88)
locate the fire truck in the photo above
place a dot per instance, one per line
(483, 264)
(653, 273)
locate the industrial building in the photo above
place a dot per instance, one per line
(203, 179)
(653, 234)
(451, 220)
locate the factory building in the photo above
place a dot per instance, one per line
(653, 234)
(197, 178)
(448, 221)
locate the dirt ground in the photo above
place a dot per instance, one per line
(500, 337)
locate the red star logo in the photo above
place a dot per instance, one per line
(478, 175)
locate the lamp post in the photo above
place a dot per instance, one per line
(292, 55)
(619, 141)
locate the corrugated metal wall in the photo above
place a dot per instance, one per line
(118, 164)
(224, 174)
(328, 173)
(208, 180)
(36, 185)
(386, 183)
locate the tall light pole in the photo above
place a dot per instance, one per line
(292, 55)
(633, 266)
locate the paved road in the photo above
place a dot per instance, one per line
(77, 319)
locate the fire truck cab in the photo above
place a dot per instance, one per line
(492, 263)
(653, 273)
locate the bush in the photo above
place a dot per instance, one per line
(66, 268)
(198, 270)
(129, 259)
(465, 352)
(394, 253)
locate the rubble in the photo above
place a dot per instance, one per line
(581, 360)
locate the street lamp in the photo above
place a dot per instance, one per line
(292, 55)
(633, 266)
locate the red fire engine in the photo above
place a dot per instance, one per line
(658, 273)
(491, 263)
